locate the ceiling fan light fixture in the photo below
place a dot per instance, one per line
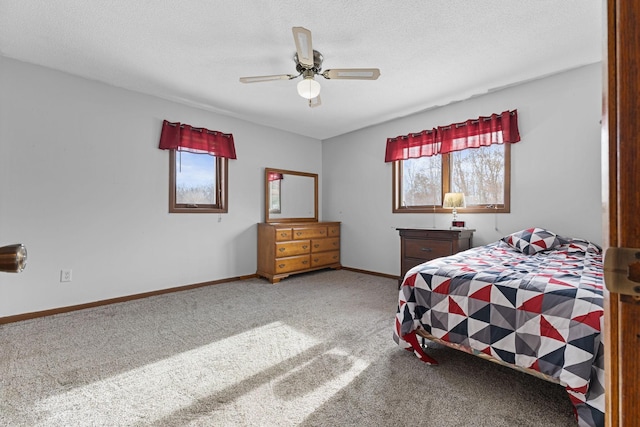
(308, 65)
(308, 88)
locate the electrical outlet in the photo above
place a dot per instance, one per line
(65, 275)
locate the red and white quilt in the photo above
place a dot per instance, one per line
(542, 311)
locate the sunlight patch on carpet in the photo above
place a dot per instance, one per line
(157, 390)
(287, 400)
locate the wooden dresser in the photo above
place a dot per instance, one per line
(418, 245)
(290, 248)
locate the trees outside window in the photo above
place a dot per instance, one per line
(197, 183)
(482, 174)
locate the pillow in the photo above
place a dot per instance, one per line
(534, 240)
(581, 245)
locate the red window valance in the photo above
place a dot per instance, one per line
(182, 137)
(483, 131)
(275, 176)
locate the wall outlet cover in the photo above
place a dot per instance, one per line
(65, 275)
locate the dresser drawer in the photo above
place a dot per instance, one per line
(309, 232)
(283, 234)
(333, 231)
(284, 249)
(322, 245)
(325, 258)
(293, 263)
(421, 245)
(427, 249)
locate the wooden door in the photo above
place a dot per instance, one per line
(621, 184)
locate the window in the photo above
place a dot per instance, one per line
(197, 183)
(471, 157)
(198, 161)
(482, 174)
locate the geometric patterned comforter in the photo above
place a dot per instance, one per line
(543, 312)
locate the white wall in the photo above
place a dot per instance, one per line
(84, 186)
(555, 181)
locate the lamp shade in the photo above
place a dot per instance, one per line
(308, 88)
(453, 200)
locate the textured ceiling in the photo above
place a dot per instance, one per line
(429, 53)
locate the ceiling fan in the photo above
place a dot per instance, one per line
(308, 65)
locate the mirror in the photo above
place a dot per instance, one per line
(290, 196)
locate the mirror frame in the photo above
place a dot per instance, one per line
(267, 219)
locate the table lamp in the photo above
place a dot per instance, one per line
(454, 201)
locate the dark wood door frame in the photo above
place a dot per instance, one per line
(621, 196)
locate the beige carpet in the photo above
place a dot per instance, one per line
(313, 350)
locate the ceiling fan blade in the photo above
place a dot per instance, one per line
(352, 73)
(315, 102)
(304, 48)
(256, 79)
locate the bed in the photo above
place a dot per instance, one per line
(532, 301)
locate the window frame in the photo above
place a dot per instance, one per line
(222, 164)
(446, 177)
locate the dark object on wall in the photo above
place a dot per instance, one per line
(13, 258)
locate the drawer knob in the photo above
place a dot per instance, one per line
(305, 247)
(281, 249)
(281, 265)
(426, 249)
(305, 262)
(316, 245)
